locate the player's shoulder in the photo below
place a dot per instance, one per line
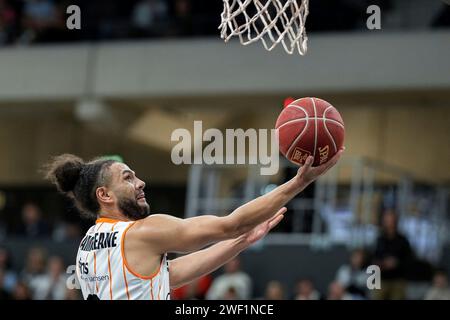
(155, 218)
(152, 224)
(149, 233)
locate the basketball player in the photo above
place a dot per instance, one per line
(124, 255)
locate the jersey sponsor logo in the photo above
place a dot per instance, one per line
(83, 266)
(95, 278)
(100, 240)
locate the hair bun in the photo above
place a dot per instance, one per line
(65, 172)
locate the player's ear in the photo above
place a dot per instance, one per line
(104, 195)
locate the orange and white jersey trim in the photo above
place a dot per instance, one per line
(104, 273)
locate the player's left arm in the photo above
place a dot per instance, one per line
(195, 265)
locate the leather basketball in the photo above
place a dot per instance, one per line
(310, 126)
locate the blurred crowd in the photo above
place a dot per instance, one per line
(349, 284)
(44, 21)
(45, 275)
(42, 277)
(392, 253)
(33, 224)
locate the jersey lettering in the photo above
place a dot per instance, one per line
(100, 240)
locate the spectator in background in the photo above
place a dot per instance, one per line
(336, 291)
(21, 292)
(353, 276)
(66, 231)
(234, 279)
(183, 19)
(4, 295)
(274, 291)
(42, 21)
(195, 290)
(443, 17)
(392, 255)
(2, 231)
(9, 278)
(231, 294)
(440, 289)
(52, 285)
(8, 18)
(33, 225)
(35, 264)
(305, 290)
(149, 17)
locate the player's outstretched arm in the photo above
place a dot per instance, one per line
(164, 233)
(195, 265)
(262, 208)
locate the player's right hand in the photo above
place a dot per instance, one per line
(307, 173)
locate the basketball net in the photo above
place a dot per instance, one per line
(270, 21)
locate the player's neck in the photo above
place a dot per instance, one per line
(112, 213)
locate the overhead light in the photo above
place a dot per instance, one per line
(90, 109)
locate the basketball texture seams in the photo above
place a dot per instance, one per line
(310, 126)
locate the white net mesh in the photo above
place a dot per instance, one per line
(271, 21)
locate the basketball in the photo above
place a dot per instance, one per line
(310, 126)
